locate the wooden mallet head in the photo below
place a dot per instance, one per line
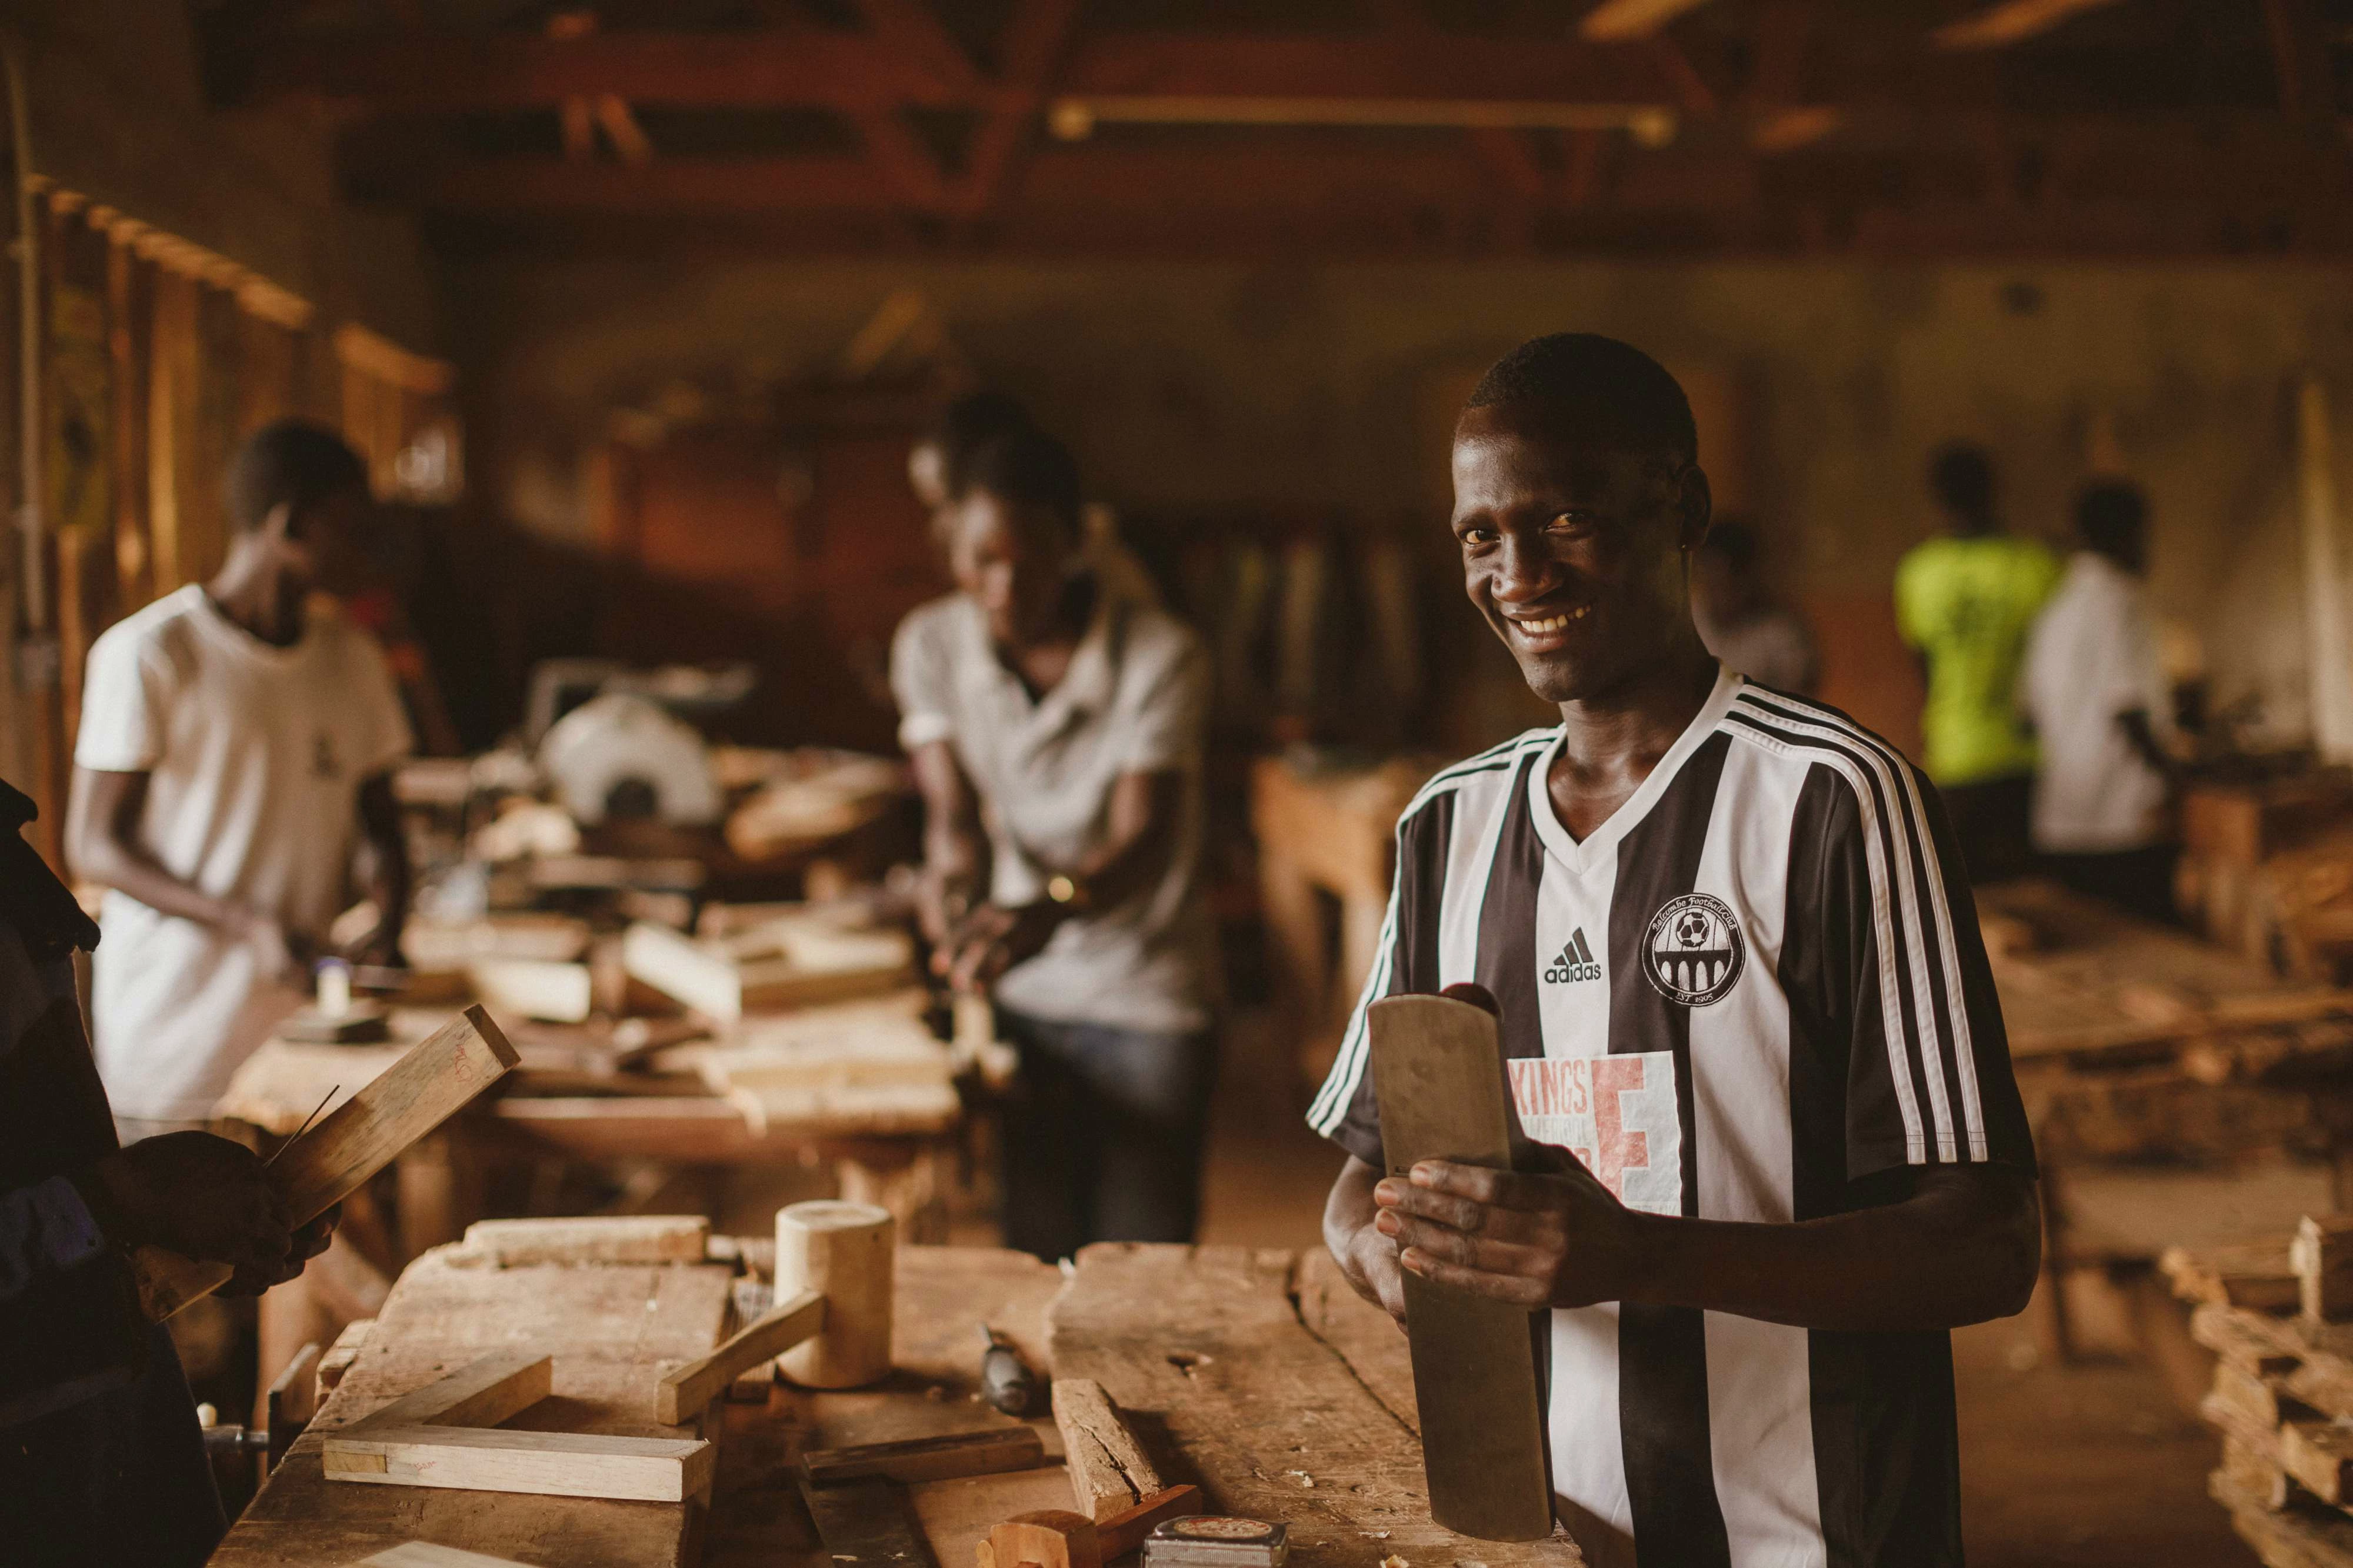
(1057, 1538)
(844, 1251)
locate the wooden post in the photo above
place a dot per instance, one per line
(844, 1251)
(2324, 580)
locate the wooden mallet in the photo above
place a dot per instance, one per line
(832, 1322)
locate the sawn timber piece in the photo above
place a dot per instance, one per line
(610, 1329)
(1438, 1073)
(1204, 1351)
(431, 1082)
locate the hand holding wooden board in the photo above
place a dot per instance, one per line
(360, 1137)
(1438, 1074)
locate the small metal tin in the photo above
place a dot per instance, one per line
(1216, 1541)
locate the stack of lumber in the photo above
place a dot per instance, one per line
(793, 960)
(870, 1064)
(2134, 1040)
(2267, 869)
(2275, 1313)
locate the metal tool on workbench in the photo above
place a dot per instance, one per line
(1006, 1379)
(858, 1496)
(1216, 1541)
(867, 1522)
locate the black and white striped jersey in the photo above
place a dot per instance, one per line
(1760, 981)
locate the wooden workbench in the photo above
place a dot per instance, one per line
(2177, 1093)
(559, 1104)
(1255, 1374)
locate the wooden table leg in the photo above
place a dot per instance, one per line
(2058, 1326)
(437, 1197)
(1298, 972)
(902, 1178)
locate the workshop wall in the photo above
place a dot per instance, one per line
(1212, 388)
(110, 82)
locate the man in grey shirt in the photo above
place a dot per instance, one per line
(1057, 728)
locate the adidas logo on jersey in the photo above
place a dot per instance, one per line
(1575, 963)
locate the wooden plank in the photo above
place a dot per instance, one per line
(799, 965)
(958, 1454)
(545, 1464)
(702, 1130)
(2256, 1276)
(2247, 1340)
(2317, 1454)
(2307, 1536)
(2322, 1256)
(1204, 1349)
(534, 988)
(631, 1238)
(489, 1391)
(1438, 1073)
(356, 1140)
(682, 1393)
(2255, 1472)
(1109, 1472)
(2262, 1402)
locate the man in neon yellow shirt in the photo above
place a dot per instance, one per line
(1965, 603)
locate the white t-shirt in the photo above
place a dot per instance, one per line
(255, 755)
(2093, 656)
(1135, 700)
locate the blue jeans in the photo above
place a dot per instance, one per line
(1103, 1134)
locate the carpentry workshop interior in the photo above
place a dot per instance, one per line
(1024, 784)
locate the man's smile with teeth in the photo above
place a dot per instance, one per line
(1550, 623)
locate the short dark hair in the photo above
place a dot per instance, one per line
(968, 424)
(1732, 542)
(1961, 475)
(1027, 467)
(1612, 391)
(2110, 515)
(290, 463)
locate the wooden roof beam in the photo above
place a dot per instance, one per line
(450, 73)
(2010, 22)
(1390, 65)
(1615, 19)
(454, 72)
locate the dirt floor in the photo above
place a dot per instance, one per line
(2086, 1465)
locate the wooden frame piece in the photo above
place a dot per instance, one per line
(360, 1137)
(1109, 1472)
(603, 1239)
(427, 1438)
(681, 1395)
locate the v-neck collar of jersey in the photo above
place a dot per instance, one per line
(1598, 844)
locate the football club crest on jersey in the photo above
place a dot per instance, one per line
(1693, 951)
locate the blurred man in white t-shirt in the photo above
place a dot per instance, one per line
(2095, 688)
(235, 748)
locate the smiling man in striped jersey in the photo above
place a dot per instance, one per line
(1740, 980)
